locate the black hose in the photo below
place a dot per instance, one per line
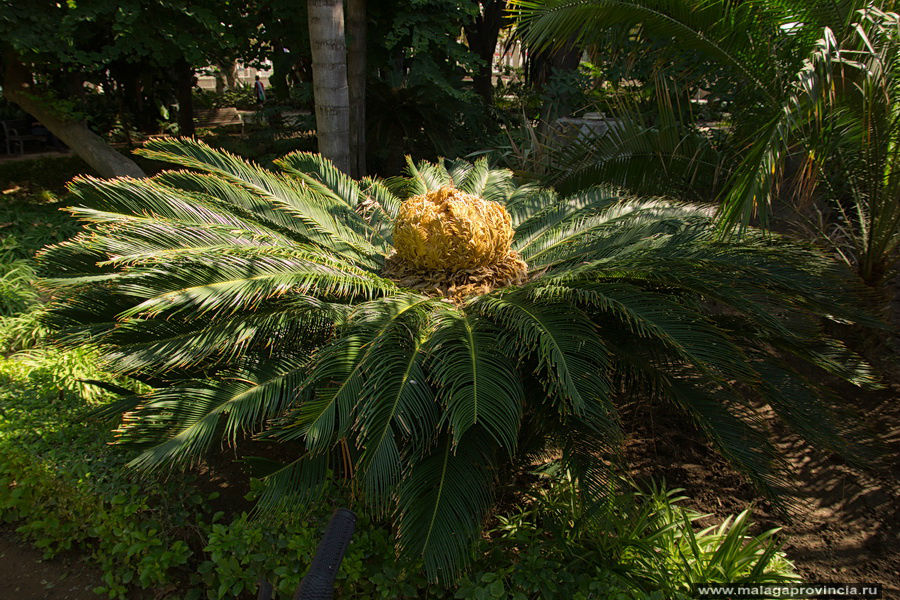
(319, 581)
(265, 590)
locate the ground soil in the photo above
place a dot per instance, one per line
(26, 575)
(840, 524)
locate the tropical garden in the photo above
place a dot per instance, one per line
(561, 298)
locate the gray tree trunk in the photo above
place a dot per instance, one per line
(330, 92)
(103, 158)
(356, 81)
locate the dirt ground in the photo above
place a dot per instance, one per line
(25, 575)
(842, 523)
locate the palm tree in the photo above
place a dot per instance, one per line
(342, 318)
(813, 83)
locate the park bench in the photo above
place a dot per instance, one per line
(18, 133)
(210, 118)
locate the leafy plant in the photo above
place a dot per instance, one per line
(812, 96)
(16, 292)
(256, 303)
(842, 110)
(632, 543)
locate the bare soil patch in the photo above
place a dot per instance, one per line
(840, 523)
(26, 575)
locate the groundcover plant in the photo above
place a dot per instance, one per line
(421, 335)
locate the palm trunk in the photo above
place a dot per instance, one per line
(229, 72)
(330, 91)
(19, 88)
(356, 80)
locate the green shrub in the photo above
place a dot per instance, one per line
(21, 331)
(16, 289)
(632, 544)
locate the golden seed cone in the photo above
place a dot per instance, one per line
(454, 244)
(450, 230)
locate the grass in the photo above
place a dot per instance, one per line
(65, 486)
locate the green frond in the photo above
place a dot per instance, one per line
(442, 504)
(524, 202)
(415, 183)
(475, 179)
(572, 360)
(300, 482)
(685, 333)
(729, 427)
(191, 416)
(565, 212)
(477, 383)
(396, 410)
(384, 197)
(647, 155)
(458, 169)
(297, 484)
(620, 228)
(146, 200)
(159, 345)
(237, 200)
(338, 370)
(329, 222)
(317, 171)
(234, 281)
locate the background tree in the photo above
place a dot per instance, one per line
(357, 50)
(811, 93)
(329, 67)
(19, 87)
(482, 33)
(63, 60)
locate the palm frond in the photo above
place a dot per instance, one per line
(338, 370)
(477, 383)
(571, 357)
(442, 503)
(328, 221)
(190, 417)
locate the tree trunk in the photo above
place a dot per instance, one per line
(481, 36)
(18, 88)
(541, 66)
(356, 81)
(332, 97)
(184, 93)
(229, 72)
(281, 68)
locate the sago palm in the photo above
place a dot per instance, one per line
(420, 335)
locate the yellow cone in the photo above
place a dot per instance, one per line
(450, 230)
